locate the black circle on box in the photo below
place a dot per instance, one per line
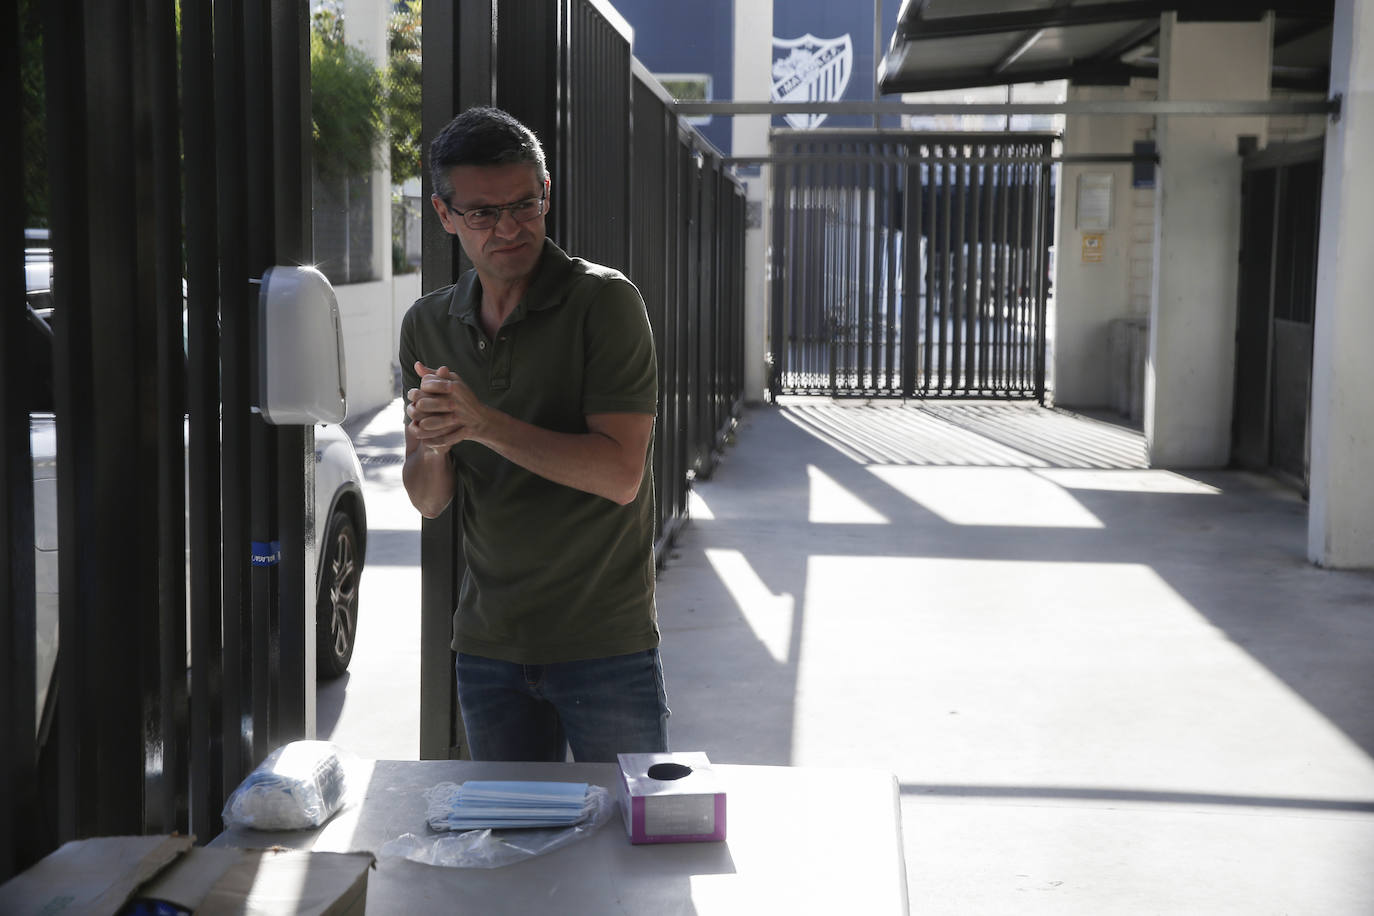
(668, 771)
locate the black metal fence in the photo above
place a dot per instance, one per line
(177, 150)
(910, 265)
(635, 188)
(184, 155)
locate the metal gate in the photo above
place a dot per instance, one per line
(177, 153)
(910, 264)
(1280, 217)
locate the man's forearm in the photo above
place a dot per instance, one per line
(607, 461)
(428, 476)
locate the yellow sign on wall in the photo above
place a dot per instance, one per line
(1092, 247)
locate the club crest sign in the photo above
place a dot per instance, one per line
(811, 69)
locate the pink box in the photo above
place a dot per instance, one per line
(671, 798)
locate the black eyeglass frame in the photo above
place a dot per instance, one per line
(541, 200)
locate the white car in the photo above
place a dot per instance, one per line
(340, 512)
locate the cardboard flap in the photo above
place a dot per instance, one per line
(93, 876)
(269, 881)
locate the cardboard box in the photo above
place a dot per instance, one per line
(98, 876)
(671, 798)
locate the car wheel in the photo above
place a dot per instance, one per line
(337, 605)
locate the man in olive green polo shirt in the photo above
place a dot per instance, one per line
(532, 389)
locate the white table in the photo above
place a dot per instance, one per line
(799, 840)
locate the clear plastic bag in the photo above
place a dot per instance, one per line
(488, 847)
(300, 785)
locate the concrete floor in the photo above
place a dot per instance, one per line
(1102, 688)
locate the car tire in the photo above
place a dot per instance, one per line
(337, 604)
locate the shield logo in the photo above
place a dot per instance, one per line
(811, 69)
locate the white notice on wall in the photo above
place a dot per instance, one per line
(1095, 201)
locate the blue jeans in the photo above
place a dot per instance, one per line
(600, 707)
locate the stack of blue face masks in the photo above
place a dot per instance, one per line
(475, 804)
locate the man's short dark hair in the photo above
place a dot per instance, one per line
(482, 136)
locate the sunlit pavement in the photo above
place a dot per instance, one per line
(1102, 688)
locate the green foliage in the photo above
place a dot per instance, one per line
(403, 92)
(346, 104)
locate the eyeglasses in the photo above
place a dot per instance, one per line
(487, 217)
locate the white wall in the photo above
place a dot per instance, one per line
(753, 80)
(1089, 295)
(1341, 517)
(1190, 376)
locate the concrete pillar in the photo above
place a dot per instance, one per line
(1341, 510)
(1191, 368)
(1097, 286)
(753, 77)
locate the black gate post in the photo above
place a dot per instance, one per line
(18, 770)
(911, 265)
(292, 711)
(108, 303)
(459, 72)
(202, 397)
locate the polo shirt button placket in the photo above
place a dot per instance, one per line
(499, 372)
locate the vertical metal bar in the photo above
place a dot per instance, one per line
(672, 243)
(678, 229)
(156, 113)
(19, 794)
(805, 275)
(1042, 276)
(957, 277)
(666, 131)
(910, 300)
(293, 713)
(1014, 367)
(835, 278)
(235, 303)
(1014, 242)
(692, 178)
(845, 240)
(263, 611)
(1030, 240)
(841, 243)
(796, 262)
(897, 176)
(1003, 300)
(931, 189)
(202, 361)
(869, 324)
(779, 283)
(986, 255)
(107, 594)
(460, 71)
(707, 327)
(1033, 272)
(65, 90)
(837, 298)
(971, 287)
(816, 292)
(947, 275)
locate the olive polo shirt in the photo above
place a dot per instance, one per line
(553, 573)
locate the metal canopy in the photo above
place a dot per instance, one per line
(954, 44)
